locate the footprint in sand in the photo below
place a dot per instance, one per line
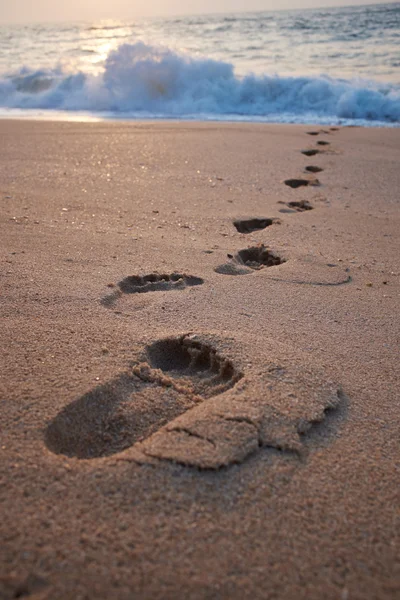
(313, 169)
(184, 401)
(250, 259)
(324, 131)
(323, 143)
(140, 284)
(296, 183)
(296, 206)
(255, 224)
(311, 152)
(171, 377)
(288, 268)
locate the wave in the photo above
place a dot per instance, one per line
(105, 27)
(147, 80)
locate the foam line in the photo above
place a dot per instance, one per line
(144, 80)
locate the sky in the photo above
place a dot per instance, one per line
(27, 11)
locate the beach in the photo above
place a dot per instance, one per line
(199, 373)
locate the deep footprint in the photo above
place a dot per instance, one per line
(281, 404)
(250, 225)
(197, 366)
(175, 375)
(155, 282)
(258, 257)
(313, 169)
(323, 143)
(250, 259)
(296, 183)
(311, 152)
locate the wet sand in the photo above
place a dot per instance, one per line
(199, 379)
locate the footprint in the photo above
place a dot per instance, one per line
(334, 128)
(198, 367)
(300, 205)
(313, 169)
(184, 402)
(250, 225)
(308, 269)
(296, 206)
(250, 259)
(135, 284)
(311, 152)
(312, 132)
(257, 257)
(296, 183)
(294, 268)
(173, 375)
(282, 404)
(140, 284)
(323, 143)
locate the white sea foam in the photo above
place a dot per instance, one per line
(144, 80)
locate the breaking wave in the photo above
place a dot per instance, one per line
(143, 80)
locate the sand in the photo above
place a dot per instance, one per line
(199, 378)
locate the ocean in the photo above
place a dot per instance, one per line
(331, 66)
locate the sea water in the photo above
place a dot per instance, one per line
(336, 65)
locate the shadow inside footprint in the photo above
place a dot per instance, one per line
(323, 143)
(312, 132)
(250, 259)
(154, 282)
(313, 169)
(258, 257)
(296, 206)
(300, 206)
(250, 225)
(137, 284)
(194, 364)
(296, 183)
(177, 374)
(311, 152)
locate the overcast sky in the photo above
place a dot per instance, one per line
(26, 11)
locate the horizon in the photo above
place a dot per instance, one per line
(113, 16)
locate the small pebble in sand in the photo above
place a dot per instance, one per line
(368, 284)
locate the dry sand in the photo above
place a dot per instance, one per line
(192, 407)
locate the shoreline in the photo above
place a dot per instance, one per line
(81, 117)
(253, 454)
